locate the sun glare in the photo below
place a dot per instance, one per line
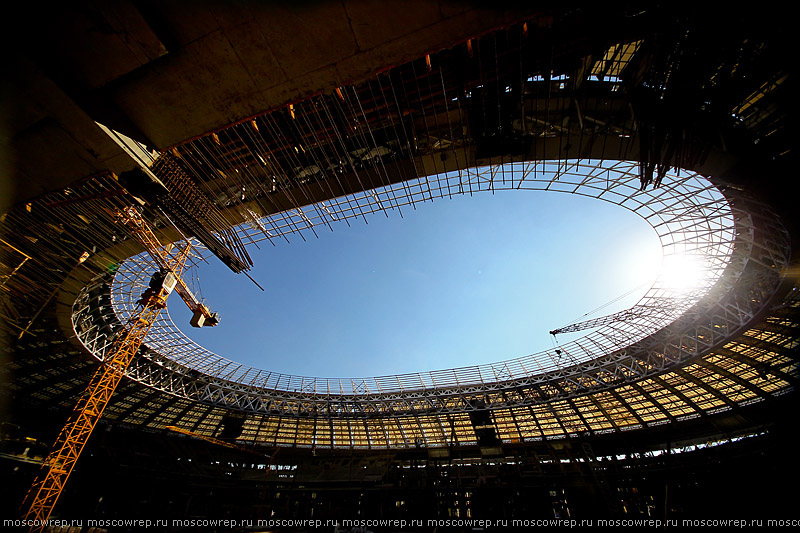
(474, 279)
(683, 273)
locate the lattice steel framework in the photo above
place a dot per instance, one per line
(69, 444)
(57, 467)
(742, 245)
(463, 120)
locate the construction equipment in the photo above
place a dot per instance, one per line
(653, 310)
(621, 316)
(271, 456)
(212, 440)
(141, 231)
(46, 489)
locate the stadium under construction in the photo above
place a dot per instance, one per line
(143, 138)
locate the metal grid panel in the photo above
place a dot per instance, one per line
(539, 408)
(778, 375)
(619, 414)
(675, 405)
(676, 211)
(641, 403)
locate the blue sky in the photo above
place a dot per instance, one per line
(454, 282)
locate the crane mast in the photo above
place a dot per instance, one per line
(58, 465)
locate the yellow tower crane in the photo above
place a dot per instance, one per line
(43, 494)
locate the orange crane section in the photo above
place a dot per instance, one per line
(57, 467)
(142, 232)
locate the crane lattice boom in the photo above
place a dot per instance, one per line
(637, 311)
(57, 467)
(212, 440)
(133, 219)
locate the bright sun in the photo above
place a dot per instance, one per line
(683, 272)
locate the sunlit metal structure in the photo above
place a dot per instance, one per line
(638, 115)
(742, 269)
(65, 453)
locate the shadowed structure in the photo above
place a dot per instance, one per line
(254, 123)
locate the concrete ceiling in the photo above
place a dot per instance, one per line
(144, 68)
